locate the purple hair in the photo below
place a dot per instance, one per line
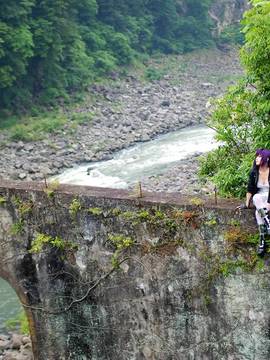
(265, 154)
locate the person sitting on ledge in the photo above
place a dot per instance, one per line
(258, 191)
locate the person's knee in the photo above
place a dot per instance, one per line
(256, 199)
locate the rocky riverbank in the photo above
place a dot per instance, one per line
(123, 112)
(181, 178)
(15, 347)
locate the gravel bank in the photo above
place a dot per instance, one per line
(15, 347)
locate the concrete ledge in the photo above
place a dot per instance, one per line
(108, 193)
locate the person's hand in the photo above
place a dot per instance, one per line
(241, 207)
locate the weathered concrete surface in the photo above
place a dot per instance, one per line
(169, 299)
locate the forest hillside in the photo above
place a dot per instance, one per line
(49, 49)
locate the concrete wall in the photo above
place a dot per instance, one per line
(123, 278)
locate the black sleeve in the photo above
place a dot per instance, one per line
(251, 188)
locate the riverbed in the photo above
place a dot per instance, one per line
(123, 112)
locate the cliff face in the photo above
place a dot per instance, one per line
(108, 276)
(227, 12)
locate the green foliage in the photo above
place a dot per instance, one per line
(154, 74)
(51, 49)
(95, 211)
(255, 52)
(234, 222)
(25, 208)
(231, 35)
(120, 241)
(104, 62)
(116, 211)
(39, 242)
(228, 170)
(51, 187)
(143, 215)
(159, 215)
(19, 322)
(17, 227)
(75, 207)
(82, 117)
(128, 215)
(241, 116)
(196, 201)
(253, 239)
(36, 128)
(43, 239)
(121, 49)
(211, 222)
(3, 200)
(229, 267)
(115, 259)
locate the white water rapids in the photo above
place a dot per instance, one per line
(150, 158)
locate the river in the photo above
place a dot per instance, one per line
(128, 166)
(142, 160)
(9, 304)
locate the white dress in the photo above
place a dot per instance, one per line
(260, 200)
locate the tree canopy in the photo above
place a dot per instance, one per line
(241, 117)
(50, 47)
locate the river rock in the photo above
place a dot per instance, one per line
(165, 103)
(29, 147)
(145, 137)
(45, 170)
(26, 340)
(16, 341)
(207, 85)
(22, 176)
(18, 146)
(9, 355)
(4, 344)
(12, 355)
(18, 165)
(58, 164)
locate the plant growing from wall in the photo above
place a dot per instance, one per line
(3, 200)
(237, 238)
(50, 188)
(17, 227)
(41, 240)
(75, 207)
(196, 201)
(121, 243)
(95, 211)
(25, 208)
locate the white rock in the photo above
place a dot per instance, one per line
(22, 176)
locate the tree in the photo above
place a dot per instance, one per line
(16, 43)
(241, 117)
